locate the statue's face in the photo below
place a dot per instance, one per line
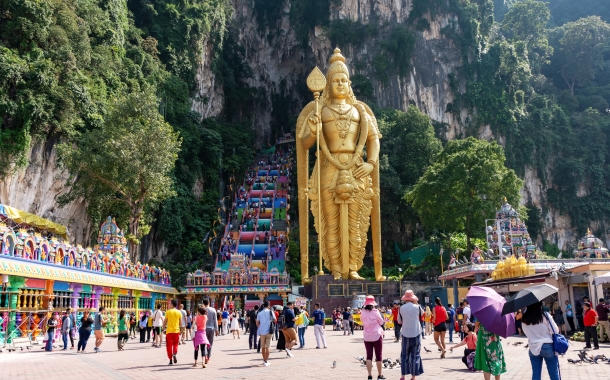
(339, 86)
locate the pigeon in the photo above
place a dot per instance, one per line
(600, 357)
(527, 345)
(334, 364)
(574, 361)
(359, 358)
(398, 361)
(427, 350)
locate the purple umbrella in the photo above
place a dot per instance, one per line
(486, 305)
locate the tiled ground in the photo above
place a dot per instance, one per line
(231, 359)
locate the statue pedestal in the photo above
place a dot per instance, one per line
(331, 293)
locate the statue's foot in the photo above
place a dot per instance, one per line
(381, 278)
(353, 275)
(337, 275)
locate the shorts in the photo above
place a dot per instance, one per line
(290, 334)
(265, 341)
(157, 330)
(188, 326)
(440, 327)
(182, 330)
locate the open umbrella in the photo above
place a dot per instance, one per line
(486, 305)
(278, 307)
(528, 296)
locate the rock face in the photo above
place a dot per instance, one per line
(280, 64)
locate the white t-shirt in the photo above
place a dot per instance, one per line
(158, 318)
(539, 334)
(467, 314)
(183, 319)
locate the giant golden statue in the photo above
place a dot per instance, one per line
(343, 188)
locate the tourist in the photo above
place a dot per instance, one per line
(84, 332)
(265, 319)
(302, 324)
(397, 326)
(142, 325)
(72, 327)
(557, 314)
(459, 312)
(290, 334)
(149, 324)
(450, 321)
(579, 311)
(470, 341)
(225, 319)
(171, 325)
(182, 323)
(98, 325)
(538, 327)
(410, 316)
(439, 317)
(345, 315)
(489, 356)
(66, 326)
(132, 326)
(602, 313)
(189, 325)
(590, 321)
(211, 329)
(518, 322)
(351, 320)
(253, 337)
(318, 326)
(372, 321)
(51, 325)
(200, 339)
(570, 317)
(123, 335)
(279, 326)
(428, 320)
(242, 318)
(235, 325)
(157, 324)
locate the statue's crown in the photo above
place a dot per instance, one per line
(337, 56)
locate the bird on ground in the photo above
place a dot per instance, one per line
(527, 345)
(427, 350)
(574, 361)
(334, 364)
(359, 358)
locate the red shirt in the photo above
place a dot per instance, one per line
(589, 317)
(441, 315)
(395, 314)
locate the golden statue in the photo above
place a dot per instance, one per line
(349, 185)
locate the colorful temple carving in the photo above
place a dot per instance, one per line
(590, 247)
(507, 235)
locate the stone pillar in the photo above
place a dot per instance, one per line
(188, 303)
(76, 289)
(456, 293)
(47, 301)
(284, 298)
(153, 300)
(16, 283)
(98, 290)
(137, 294)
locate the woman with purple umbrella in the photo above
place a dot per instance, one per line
(489, 356)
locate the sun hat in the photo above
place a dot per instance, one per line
(370, 300)
(409, 296)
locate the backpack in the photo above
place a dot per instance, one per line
(271, 322)
(470, 361)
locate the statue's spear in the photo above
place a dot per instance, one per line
(316, 82)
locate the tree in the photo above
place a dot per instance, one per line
(126, 162)
(583, 45)
(464, 186)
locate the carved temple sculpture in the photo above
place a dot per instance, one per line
(342, 128)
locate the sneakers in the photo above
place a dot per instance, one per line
(317, 348)
(175, 360)
(170, 362)
(288, 352)
(266, 364)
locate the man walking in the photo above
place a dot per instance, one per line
(98, 324)
(172, 331)
(211, 327)
(72, 327)
(253, 337)
(225, 322)
(182, 323)
(289, 331)
(397, 326)
(346, 315)
(602, 314)
(590, 319)
(318, 325)
(265, 319)
(157, 318)
(450, 321)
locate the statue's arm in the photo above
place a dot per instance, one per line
(309, 138)
(372, 144)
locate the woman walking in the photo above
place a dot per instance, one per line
(428, 320)
(84, 332)
(558, 316)
(123, 336)
(302, 323)
(200, 340)
(51, 325)
(489, 356)
(189, 325)
(570, 316)
(409, 316)
(470, 340)
(539, 328)
(132, 326)
(372, 321)
(235, 325)
(143, 325)
(439, 317)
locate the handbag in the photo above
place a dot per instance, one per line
(560, 343)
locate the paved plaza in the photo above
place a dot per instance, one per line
(231, 359)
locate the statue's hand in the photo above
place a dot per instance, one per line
(363, 170)
(313, 122)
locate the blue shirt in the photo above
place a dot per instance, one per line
(318, 317)
(288, 317)
(225, 315)
(264, 318)
(451, 314)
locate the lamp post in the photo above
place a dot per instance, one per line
(315, 270)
